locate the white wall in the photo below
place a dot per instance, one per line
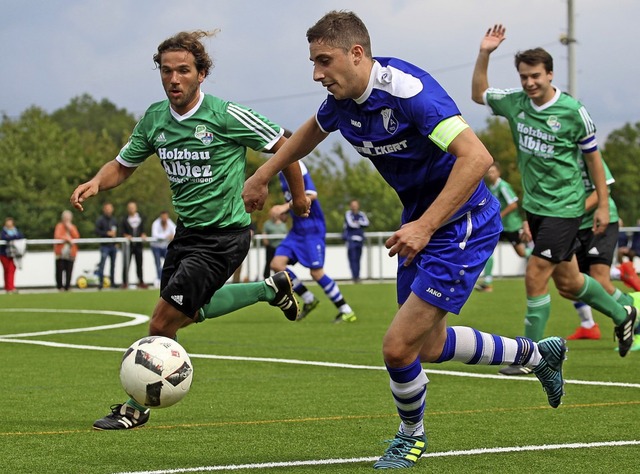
(38, 266)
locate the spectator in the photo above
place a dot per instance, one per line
(107, 227)
(275, 225)
(8, 255)
(163, 229)
(353, 232)
(65, 252)
(133, 226)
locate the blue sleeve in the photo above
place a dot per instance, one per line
(431, 106)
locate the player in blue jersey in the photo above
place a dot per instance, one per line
(305, 244)
(400, 118)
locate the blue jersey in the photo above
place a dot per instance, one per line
(391, 124)
(304, 226)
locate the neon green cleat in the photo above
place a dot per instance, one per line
(345, 318)
(403, 452)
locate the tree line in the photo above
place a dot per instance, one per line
(44, 156)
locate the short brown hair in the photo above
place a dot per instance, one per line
(533, 57)
(341, 29)
(188, 41)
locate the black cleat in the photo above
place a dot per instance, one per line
(284, 299)
(624, 331)
(122, 417)
(307, 308)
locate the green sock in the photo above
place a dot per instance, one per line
(595, 296)
(488, 271)
(232, 297)
(622, 298)
(538, 310)
(132, 403)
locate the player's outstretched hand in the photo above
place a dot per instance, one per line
(254, 194)
(301, 208)
(492, 38)
(82, 193)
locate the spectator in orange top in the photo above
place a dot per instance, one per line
(65, 252)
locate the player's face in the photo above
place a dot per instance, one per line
(492, 175)
(337, 70)
(181, 80)
(536, 82)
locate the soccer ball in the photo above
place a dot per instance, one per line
(156, 372)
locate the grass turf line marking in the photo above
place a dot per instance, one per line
(223, 424)
(135, 320)
(140, 319)
(321, 462)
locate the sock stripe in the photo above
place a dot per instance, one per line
(498, 353)
(479, 347)
(449, 348)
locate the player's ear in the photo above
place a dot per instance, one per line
(357, 53)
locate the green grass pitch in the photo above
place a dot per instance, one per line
(249, 405)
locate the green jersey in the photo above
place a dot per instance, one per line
(550, 141)
(587, 219)
(505, 194)
(203, 154)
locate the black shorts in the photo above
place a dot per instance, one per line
(513, 237)
(596, 249)
(198, 263)
(554, 238)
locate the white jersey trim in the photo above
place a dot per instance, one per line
(179, 117)
(126, 164)
(392, 80)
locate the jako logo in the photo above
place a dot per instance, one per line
(435, 293)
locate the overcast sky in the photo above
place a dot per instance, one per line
(54, 50)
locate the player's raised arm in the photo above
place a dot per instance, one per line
(112, 174)
(300, 144)
(490, 42)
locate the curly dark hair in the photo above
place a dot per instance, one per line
(188, 41)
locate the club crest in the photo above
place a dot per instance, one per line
(389, 122)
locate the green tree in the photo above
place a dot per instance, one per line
(622, 154)
(85, 113)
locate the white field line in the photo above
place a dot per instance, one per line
(324, 462)
(140, 319)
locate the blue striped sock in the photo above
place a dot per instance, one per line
(409, 389)
(330, 288)
(471, 346)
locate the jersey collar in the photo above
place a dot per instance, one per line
(179, 117)
(372, 77)
(553, 100)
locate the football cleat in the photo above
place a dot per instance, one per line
(307, 308)
(345, 317)
(122, 417)
(624, 331)
(585, 333)
(483, 287)
(515, 369)
(403, 452)
(284, 299)
(549, 371)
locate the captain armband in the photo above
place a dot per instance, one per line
(447, 130)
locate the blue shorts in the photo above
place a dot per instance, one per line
(306, 250)
(444, 273)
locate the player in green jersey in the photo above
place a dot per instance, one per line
(595, 256)
(552, 131)
(511, 222)
(201, 142)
